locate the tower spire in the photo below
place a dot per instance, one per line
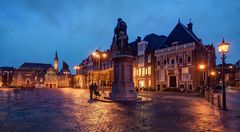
(56, 62)
(56, 55)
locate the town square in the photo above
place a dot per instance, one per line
(116, 66)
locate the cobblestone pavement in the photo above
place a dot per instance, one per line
(69, 110)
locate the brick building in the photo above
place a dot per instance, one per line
(95, 69)
(144, 62)
(237, 73)
(43, 75)
(6, 76)
(228, 72)
(179, 58)
(58, 79)
(160, 62)
(31, 74)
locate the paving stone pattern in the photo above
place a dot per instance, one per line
(68, 109)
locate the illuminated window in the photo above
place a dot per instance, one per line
(185, 74)
(143, 71)
(142, 84)
(161, 75)
(19, 78)
(139, 72)
(149, 58)
(149, 70)
(149, 83)
(134, 72)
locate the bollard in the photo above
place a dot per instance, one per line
(219, 100)
(206, 95)
(208, 99)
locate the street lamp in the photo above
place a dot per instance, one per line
(76, 68)
(212, 73)
(99, 55)
(202, 67)
(213, 79)
(223, 49)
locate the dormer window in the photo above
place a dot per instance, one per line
(175, 43)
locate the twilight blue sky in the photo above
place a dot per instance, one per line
(32, 30)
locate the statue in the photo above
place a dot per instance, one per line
(123, 86)
(121, 38)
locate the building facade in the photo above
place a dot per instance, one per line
(229, 71)
(160, 62)
(179, 58)
(6, 76)
(95, 69)
(43, 75)
(144, 62)
(58, 79)
(237, 74)
(51, 79)
(0, 78)
(31, 75)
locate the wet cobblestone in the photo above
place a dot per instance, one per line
(69, 110)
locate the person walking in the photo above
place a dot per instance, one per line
(91, 88)
(95, 87)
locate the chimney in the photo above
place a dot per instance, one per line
(138, 38)
(190, 25)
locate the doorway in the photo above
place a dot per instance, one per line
(173, 81)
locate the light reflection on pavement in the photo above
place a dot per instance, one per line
(69, 110)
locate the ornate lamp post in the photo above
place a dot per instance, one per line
(76, 68)
(202, 67)
(99, 56)
(223, 49)
(213, 79)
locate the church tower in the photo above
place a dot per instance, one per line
(56, 62)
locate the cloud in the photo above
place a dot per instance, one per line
(75, 27)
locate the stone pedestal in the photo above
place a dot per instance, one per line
(123, 86)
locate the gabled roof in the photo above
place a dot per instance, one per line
(209, 47)
(36, 66)
(237, 64)
(180, 34)
(154, 41)
(5, 68)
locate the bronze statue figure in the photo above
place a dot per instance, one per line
(121, 38)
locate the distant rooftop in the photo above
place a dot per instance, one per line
(36, 66)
